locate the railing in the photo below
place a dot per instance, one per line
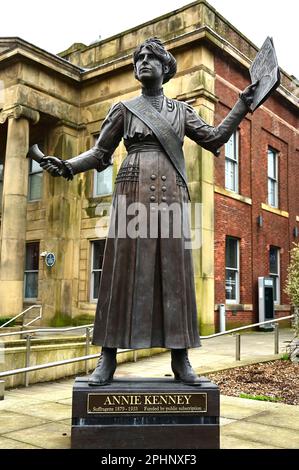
(28, 337)
(23, 313)
(238, 336)
(27, 369)
(47, 330)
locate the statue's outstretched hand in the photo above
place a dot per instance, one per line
(53, 165)
(247, 95)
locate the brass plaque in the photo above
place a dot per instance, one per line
(193, 402)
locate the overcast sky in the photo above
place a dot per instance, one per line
(56, 24)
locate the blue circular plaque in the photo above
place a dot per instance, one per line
(50, 259)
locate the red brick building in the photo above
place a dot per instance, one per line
(256, 199)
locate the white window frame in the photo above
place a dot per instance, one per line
(92, 270)
(237, 270)
(29, 271)
(32, 173)
(95, 177)
(96, 174)
(273, 180)
(276, 276)
(232, 161)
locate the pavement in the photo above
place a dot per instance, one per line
(39, 417)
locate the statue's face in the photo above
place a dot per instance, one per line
(148, 67)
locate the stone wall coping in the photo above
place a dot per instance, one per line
(23, 50)
(17, 47)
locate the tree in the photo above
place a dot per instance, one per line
(292, 289)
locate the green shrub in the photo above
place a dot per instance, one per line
(5, 319)
(61, 320)
(292, 284)
(83, 319)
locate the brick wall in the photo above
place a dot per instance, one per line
(274, 126)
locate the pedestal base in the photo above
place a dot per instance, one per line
(145, 414)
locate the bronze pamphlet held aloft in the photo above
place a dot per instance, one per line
(264, 70)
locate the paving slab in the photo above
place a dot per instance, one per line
(231, 411)
(45, 395)
(66, 401)
(67, 421)
(283, 418)
(48, 436)
(17, 403)
(261, 435)
(50, 411)
(230, 442)
(224, 421)
(6, 443)
(10, 421)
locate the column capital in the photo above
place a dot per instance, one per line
(19, 111)
(200, 92)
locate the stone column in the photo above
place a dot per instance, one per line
(59, 286)
(206, 278)
(14, 211)
(199, 91)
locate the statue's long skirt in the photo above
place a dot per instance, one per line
(147, 295)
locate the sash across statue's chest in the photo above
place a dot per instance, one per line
(167, 126)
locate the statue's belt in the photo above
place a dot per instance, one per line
(164, 132)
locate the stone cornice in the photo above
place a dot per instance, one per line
(71, 125)
(199, 34)
(20, 111)
(18, 49)
(21, 50)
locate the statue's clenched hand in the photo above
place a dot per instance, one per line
(247, 95)
(55, 167)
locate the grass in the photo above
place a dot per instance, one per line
(260, 397)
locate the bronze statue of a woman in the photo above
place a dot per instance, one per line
(147, 295)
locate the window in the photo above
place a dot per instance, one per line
(274, 270)
(31, 270)
(231, 163)
(103, 182)
(272, 178)
(35, 181)
(232, 270)
(97, 254)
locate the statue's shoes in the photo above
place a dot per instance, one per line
(103, 373)
(182, 369)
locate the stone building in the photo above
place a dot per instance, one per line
(250, 211)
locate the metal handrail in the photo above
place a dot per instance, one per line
(46, 330)
(70, 328)
(25, 370)
(28, 368)
(275, 320)
(22, 313)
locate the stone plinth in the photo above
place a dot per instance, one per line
(145, 414)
